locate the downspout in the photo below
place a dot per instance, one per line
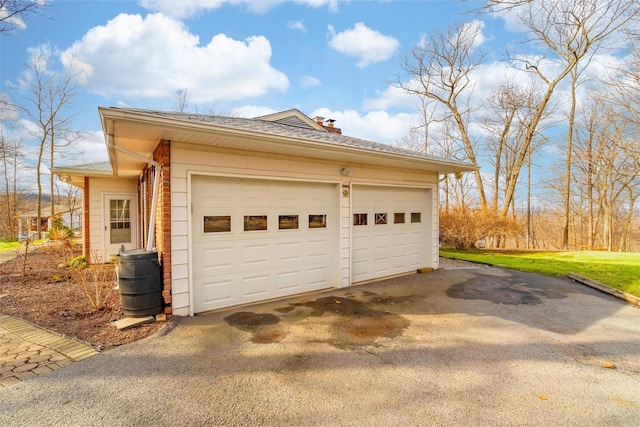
(156, 187)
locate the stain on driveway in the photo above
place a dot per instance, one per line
(352, 323)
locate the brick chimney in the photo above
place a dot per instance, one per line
(329, 124)
(331, 128)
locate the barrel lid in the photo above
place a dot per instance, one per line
(138, 253)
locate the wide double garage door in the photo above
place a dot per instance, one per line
(254, 240)
(257, 239)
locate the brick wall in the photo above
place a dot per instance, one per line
(163, 220)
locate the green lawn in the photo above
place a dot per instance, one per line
(8, 246)
(620, 270)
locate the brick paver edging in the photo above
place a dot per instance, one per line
(27, 351)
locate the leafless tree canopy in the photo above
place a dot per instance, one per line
(560, 38)
(13, 13)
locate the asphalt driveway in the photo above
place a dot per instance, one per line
(480, 346)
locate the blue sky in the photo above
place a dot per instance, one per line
(329, 58)
(246, 58)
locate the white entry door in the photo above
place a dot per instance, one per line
(254, 240)
(120, 223)
(391, 231)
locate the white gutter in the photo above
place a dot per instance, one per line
(156, 187)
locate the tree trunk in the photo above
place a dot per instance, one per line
(625, 244)
(567, 164)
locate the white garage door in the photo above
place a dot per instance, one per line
(390, 231)
(255, 240)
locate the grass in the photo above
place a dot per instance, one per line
(8, 246)
(620, 270)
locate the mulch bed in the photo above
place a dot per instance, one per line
(51, 295)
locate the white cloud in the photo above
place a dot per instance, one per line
(475, 28)
(377, 126)
(297, 25)
(188, 8)
(90, 148)
(310, 81)
(252, 111)
(13, 21)
(364, 43)
(183, 8)
(391, 97)
(8, 111)
(152, 57)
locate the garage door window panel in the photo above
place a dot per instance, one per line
(381, 218)
(255, 222)
(288, 222)
(416, 217)
(216, 223)
(318, 221)
(398, 218)
(360, 219)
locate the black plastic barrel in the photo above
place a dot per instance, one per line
(140, 283)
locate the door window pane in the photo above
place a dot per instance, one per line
(120, 221)
(381, 218)
(416, 217)
(398, 218)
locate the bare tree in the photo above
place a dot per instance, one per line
(507, 114)
(10, 152)
(585, 153)
(568, 32)
(71, 198)
(182, 100)
(14, 12)
(46, 96)
(607, 176)
(441, 69)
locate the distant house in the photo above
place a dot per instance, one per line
(243, 210)
(28, 221)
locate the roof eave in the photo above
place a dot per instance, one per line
(286, 144)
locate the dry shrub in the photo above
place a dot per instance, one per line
(62, 243)
(98, 281)
(462, 228)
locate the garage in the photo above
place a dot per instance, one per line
(257, 239)
(241, 210)
(391, 231)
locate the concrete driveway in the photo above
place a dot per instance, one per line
(471, 346)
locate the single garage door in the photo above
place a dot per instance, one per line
(257, 239)
(390, 231)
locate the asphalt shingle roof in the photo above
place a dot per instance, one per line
(287, 128)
